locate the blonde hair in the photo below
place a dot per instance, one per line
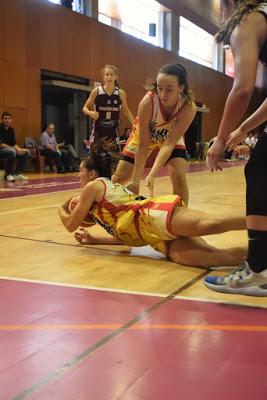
(242, 9)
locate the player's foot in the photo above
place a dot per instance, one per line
(241, 281)
(10, 178)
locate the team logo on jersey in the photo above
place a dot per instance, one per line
(158, 135)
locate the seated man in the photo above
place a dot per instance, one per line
(10, 151)
(161, 222)
(51, 150)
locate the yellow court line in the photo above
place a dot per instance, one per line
(177, 327)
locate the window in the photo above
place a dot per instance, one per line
(195, 43)
(77, 5)
(104, 19)
(133, 17)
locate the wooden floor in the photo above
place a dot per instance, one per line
(35, 247)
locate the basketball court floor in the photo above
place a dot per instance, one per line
(110, 322)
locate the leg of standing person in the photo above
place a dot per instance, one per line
(252, 279)
(177, 167)
(124, 171)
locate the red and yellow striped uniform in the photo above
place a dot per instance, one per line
(133, 219)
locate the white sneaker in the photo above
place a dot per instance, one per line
(241, 281)
(21, 177)
(10, 178)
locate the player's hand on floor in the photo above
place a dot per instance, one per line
(83, 236)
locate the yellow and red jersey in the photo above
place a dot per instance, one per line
(133, 219)
(160, 128)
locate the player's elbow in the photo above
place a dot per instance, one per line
(84, 110)
(242, 93)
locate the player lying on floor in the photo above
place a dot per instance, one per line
(162, 222)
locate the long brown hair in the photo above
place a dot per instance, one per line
(242, 9)
(100, 158)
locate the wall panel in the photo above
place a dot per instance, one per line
(1, 83)
(82, 51)
(49, 40)
(102, 45)
(1, 30)
(14, 85)
(14, 30)
(34, 10)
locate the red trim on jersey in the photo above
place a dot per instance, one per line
(151, 95)
(105, 187)
(179, 201)
(128, 154)
(180, 146)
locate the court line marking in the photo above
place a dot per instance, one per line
(77, 286)
(134, 292)
(218, 301)
(136, 327)
(88, 246)
(143, 315)
(28, 209)
(39, 194)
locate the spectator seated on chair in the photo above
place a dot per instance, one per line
(10, 151)
(50, 149)
(34, 149)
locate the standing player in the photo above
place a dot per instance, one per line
(103, 106)
(164, 115)
(245, 29)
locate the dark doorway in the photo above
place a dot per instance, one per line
(63, 97)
